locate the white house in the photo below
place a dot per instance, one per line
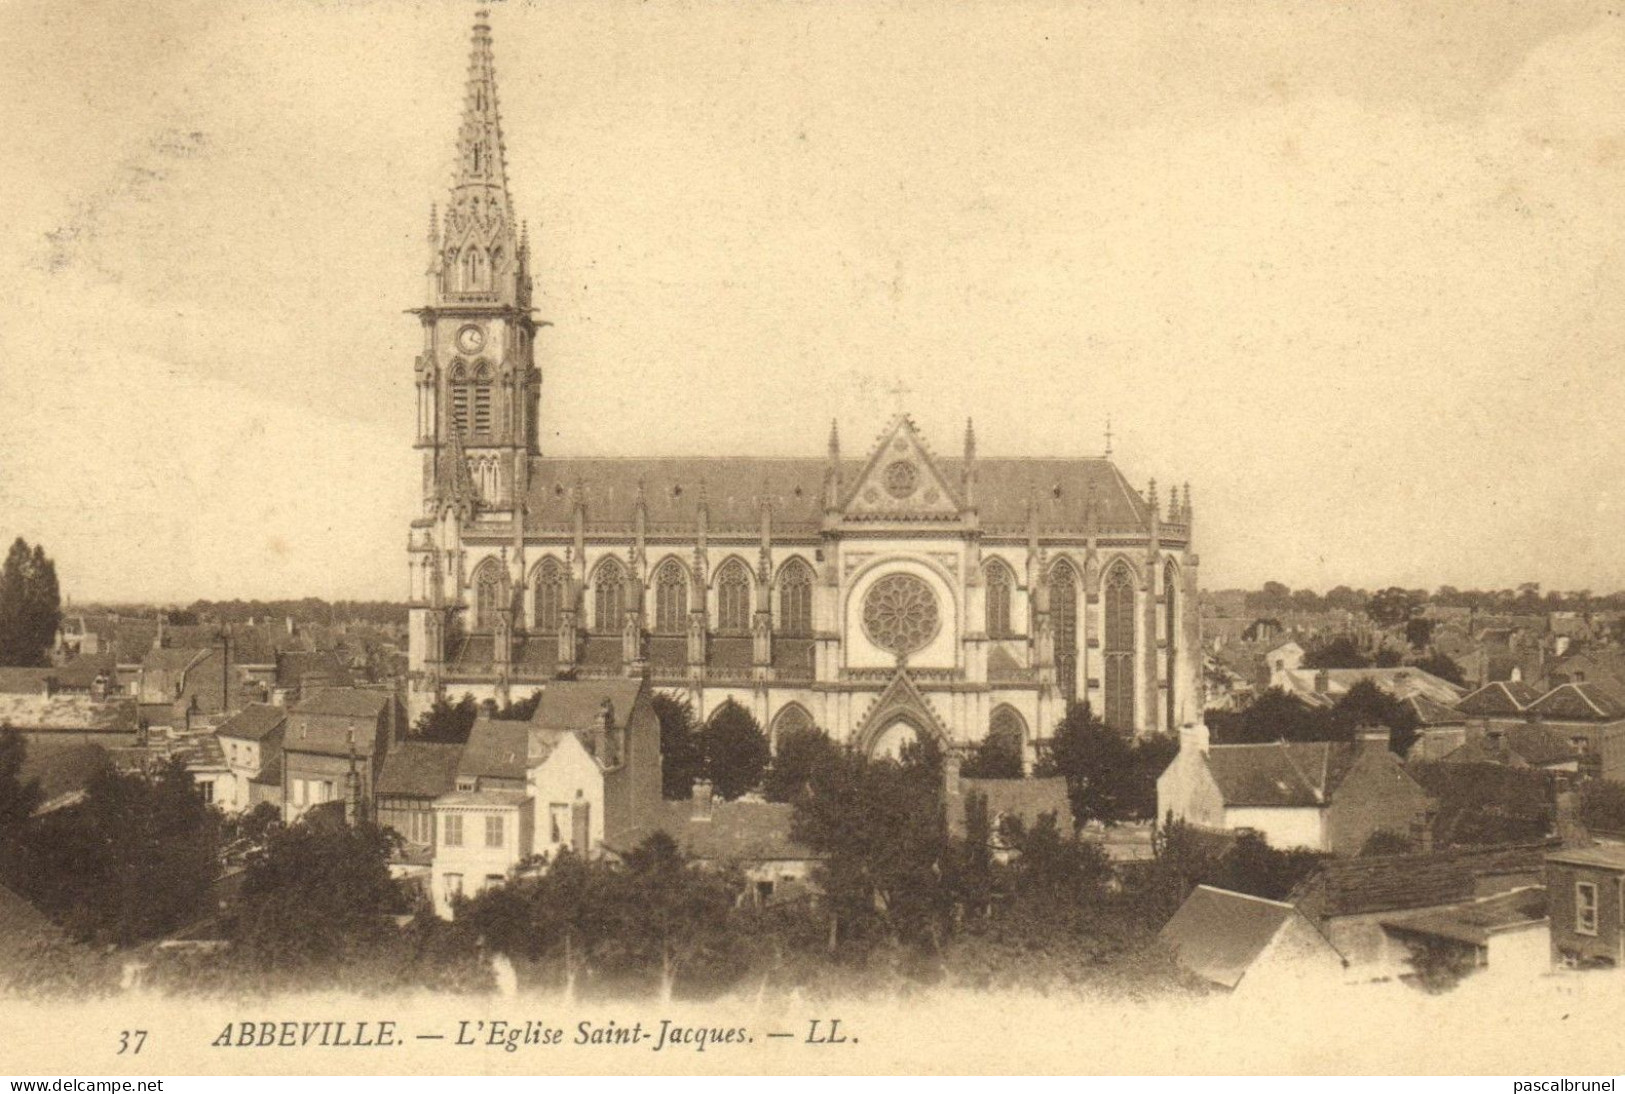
(249, 740)
(1245, 943)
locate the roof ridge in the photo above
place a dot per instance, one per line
(1250, 896)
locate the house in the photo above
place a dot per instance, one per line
(413, 775)
(1504, 934)
(1530, 745)
(332, 746)
(1353, 901)
(1592, 719)
(70, 718)
(1586, 903)
(482, 834)
(1324, 687)
(1440, 728)
(1327, 796)
(1244, 943)
(249, 741)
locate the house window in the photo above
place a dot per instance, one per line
(1585, 907)
(493, 830)
(420, 826)
(454, 830)
(559, 815)
(207, 790)
(454, 885)
(492, 881)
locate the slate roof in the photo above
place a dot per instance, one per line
(344, 702)
(334, 719)
(1280, 774)
(255, 722)
(1503, 697)
(672, 491)
(1218, 934)
(1579, 702)
(293, 666)
(738, 831)
(419, 769)
(1474, 922)
(1536, 745)
(1388, 883)
(495, 749)
(174, 658)
(575, 704)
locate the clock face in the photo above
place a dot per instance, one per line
(470, 339)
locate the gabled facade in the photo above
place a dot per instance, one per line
(250, 740)
(994, 591)
(333, 745)
(1246, 944)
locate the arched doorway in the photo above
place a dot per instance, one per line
(890, 742)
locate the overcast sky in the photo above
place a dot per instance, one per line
(1355, 274)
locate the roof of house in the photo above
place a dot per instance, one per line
(344, 702)
(24, 681)
(1388, 883)
(334, 721)
(68, 713)
(1536, 745)
(483, 799)
(1027, 799)
(575, 704)
(1579, 702)
(1218, 934)
(419, 769)
(1608, 856)
(1329, 685)
(174, 658)
(82, 671)
(1430, 712)
(293, 666)
(496, 749)
(1499, 697)
(737, 831)
(255, 722)
(1475, 921)
(1281, 773)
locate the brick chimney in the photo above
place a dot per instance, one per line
(702, 799)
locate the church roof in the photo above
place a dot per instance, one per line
(673, 487)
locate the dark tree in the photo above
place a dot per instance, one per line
(997, 757)
(1418, 632)
(735, 749)
(1444, 667)
(1273, 716)
(1252, 866)
(521, 711)
(30, 605)
(1602, 805)
(1365, 704)
(1095, 760)
(1485, 803)
(133, 861)
(681, 760)
(18, 800)
(800, 755)
(1338, 653)
(1387, 658)
(446, 721)
(1383, 842)
(320, 893)
(1391, 606)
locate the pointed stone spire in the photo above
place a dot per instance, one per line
(834, 441)
(482, 167)
(970, 440)
(968, 486)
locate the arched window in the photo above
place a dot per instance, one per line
(1063, 617)
(461, 395)
(733, 596)
(482, 399)
(1007, 734)
(790, 720)
(608, 597)
(550, 590)
(473, 267)
(795, 598)
(488, 590)
(496, 262)
(1000, 584)
(1170, 634)
(671, 598)
(1118, 647)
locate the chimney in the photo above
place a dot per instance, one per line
(1373, 738)
(1194, 737)
(1494, 738)
(702, 800)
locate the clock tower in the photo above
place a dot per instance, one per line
(478, 387)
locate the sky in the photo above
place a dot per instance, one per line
(1355, 272)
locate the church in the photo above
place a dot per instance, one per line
(886, 593)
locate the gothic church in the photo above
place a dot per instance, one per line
(887, 595)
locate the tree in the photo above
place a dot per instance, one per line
(1486, 803)
(801, 753)
(521, 711)
(1418, 632)
(1343, 598)
(681, 760)
(1365, 704)
(1252, 866)
(1602, 805)
(997, 757)
(319, 894)
(735, 750)
(133, 861)
(30, 605)
(1391, 607)
(1338, 653)
(667, 917)
(1276, 715)
(446, 721)
(18, 800)
(1094, 759)
(1444, 667)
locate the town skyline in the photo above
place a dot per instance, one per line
(1178, 244)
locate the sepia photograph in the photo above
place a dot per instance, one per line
(812, 538)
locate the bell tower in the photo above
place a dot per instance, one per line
(478, 387)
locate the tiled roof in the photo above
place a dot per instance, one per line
(255, 722)
(495, 749)
(1280, 774)
(1499, 697)
(575, 704)
(419, 769)
(344, 703)
(174, 658)
(1218, 934)
(294, 666)
(82, 671)
(333, 721)
(1578, 702)
(76, 713)
(672, 491)
(1387, 883)
(738, 831)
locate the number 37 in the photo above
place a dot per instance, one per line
(131, 1040)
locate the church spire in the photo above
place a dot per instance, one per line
(481, 259)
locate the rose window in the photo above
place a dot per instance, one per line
(901, 479)
(900, 613)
